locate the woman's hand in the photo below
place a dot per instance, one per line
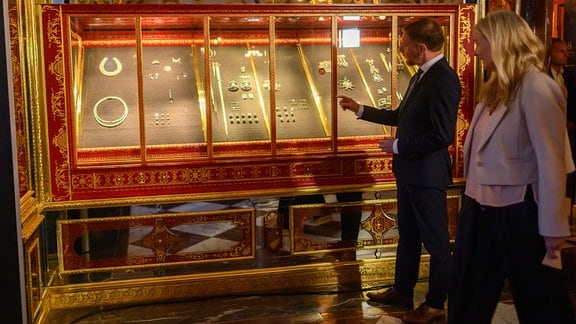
(553, 246)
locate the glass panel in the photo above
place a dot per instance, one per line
(106, 94)
(180, 234)
(364, 64)
(173, 81)
(239, 67)
(304, 95)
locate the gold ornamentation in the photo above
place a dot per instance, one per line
(110, 123)
(345, 84)
(233, 86)
(160, 240)
(102, 66)
(374, 71)
(272, 231)
(246, 85)
(378, 224)
(324, 67)
(341, 61)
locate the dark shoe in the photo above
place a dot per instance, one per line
(392, 297)
(424, 314)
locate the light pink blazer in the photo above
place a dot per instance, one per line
(525, 142)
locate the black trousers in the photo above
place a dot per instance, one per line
(423, 219)
(498, 243)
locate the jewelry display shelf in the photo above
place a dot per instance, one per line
(177, 103)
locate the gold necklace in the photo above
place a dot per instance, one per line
(102, 66)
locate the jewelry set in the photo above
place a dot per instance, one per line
(347, 84)
(113, 66)
(244, 85)
(288, 114)
(161, 118)
(103, 67)
(242, 118)
(374, 71)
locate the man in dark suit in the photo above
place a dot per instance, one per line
(426, 122)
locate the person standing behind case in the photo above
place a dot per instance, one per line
(426, 123)
(557, 60)
(515, 163)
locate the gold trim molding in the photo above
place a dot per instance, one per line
(325, 277)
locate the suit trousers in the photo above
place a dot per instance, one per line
(498, 243)
(423, 219)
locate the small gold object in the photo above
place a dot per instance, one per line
(246, 85)
(233, 86)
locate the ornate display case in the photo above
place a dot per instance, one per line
(169, 134)
(179, 103)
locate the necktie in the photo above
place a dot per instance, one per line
(413, 82)
(411, 85)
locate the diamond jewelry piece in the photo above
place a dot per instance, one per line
(324, 66)
(102, 66)
(382, 90)
(373, 68)
(342, 61)
(345, 84)
(246, 85)
(233, 86)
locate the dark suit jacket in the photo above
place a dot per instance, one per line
(426, 124)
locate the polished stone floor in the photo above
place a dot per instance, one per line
(350, 307)
(346, 308)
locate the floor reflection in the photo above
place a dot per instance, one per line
(349, 307)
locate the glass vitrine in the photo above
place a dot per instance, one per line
(168, 127)
(169, 97)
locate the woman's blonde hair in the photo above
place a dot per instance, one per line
(514, 49)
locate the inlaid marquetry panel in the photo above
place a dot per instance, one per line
(145, 241)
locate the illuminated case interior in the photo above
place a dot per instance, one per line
(188, 102)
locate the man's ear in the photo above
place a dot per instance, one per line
(422, 47)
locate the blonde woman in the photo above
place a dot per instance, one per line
(514, 211)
